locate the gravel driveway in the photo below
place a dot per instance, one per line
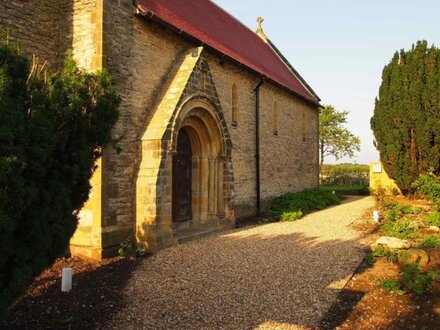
(274, 276)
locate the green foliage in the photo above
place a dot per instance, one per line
(292, 205)
(391, 286)
(52, 131)
(433, 218)
(345, 174)
(401, 228)
(291, 216)
(430, 242)
(407, 115)
(398, 211)
(128, 249)
(389, 255)
(415, 280)
(429, 186)
(334, 138)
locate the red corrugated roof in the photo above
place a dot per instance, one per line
(208, 23)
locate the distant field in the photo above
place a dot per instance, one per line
(347, 189)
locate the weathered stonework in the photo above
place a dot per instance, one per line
(168, 83)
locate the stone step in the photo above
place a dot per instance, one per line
(189, 235)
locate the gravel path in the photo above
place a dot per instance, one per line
(274, 276)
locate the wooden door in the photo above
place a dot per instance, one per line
(182, 177)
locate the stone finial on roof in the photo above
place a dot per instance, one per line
(259, 31)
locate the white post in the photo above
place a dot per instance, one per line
(66, 280)
(376, 216)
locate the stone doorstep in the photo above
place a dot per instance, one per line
(188, 235)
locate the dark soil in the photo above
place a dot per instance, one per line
(94, 297)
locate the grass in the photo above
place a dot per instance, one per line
(346, 189)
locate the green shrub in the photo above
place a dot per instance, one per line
(392, 215)
(391, 286)
(291, 216)
(387, 203)
(431, 242)
(51, 133)
(415, 280)
(433, 218)
(381, 252)
(429, 186)
(400, 228)
(289, 206)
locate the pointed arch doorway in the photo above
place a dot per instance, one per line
(198, 170)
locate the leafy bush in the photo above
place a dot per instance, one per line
(390, 256)
(387, 203)
(433, 218)
(429, 186)
(52, 130)
(400, 228)
(431, 242)
(291, 216)
(392, 215)
(391, 286)
(289, 206)
(417, 281)
(128, 249)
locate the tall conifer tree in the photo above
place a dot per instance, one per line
(406, 120)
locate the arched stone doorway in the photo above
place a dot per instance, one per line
(194, 141)
(198, 127)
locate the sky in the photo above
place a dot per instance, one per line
(340, 47)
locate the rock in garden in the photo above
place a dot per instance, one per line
(434, 228)
(393, 242)
(411, 256)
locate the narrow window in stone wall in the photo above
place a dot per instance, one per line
(234, 106)
(304, 127)
(275, 118)
(205, 80)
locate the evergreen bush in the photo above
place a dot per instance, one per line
(407, 115)
(52, 130)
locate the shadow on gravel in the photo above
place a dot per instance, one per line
(240, 280)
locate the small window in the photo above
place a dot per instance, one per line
(205, 80)
(275, 118)
(234, 106)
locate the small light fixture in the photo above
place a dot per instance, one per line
(376, 216)
(66, 280)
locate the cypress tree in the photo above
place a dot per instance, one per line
(406, 120)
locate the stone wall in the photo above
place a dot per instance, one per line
(40, 26)
(289, 160)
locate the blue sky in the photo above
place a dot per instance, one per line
(340, 47)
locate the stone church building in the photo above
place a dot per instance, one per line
(214, 121)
